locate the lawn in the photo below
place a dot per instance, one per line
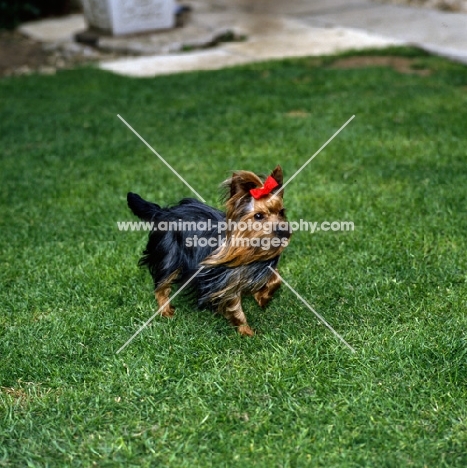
(189, 391)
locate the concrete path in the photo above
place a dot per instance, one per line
(274, 29)
(269, 37)
(436, 31)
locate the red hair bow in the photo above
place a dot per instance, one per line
(269, 185)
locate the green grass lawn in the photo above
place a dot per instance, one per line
(190, 391)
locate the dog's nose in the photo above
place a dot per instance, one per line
(283, 231)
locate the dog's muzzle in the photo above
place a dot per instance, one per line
(281, 231)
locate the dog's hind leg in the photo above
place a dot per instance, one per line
(264, 295)
(234, 313)
(162, 294)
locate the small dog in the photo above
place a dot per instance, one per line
(236, 249)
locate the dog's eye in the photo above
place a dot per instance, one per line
(259, 216)
(282, 213)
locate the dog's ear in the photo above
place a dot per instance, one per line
(277, 175)
(242, 182)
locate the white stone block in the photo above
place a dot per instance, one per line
(129, 16)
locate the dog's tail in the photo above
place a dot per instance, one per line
(143, 209)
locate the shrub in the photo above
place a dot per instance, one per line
(14, 12)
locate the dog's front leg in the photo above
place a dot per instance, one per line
(264, 295)
(234, 313)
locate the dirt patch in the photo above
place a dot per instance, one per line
(400, 64)
(25, 392)
(16, 393)
(297, 114)
(19, 53)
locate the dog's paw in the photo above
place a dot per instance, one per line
(245, 330)
(262, 300)
(168, 311)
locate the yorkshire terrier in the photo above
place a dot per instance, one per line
(237, 251)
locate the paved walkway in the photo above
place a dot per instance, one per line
(274, 29)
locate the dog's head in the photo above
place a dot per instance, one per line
(257, 226)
